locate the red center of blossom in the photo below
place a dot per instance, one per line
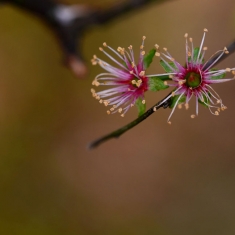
(193, 79)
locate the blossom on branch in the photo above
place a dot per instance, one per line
(128, 80)
(195, 78)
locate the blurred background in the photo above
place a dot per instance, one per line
(155, 179)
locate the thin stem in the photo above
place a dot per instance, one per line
(165, 102)
(115, 134)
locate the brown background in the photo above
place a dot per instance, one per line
(155, 179)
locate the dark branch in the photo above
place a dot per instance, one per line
(163, 103)
(70, 32)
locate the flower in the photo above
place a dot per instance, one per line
(128, 81)
(195, 78)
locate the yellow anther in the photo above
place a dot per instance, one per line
(112, 109)
(142, 52)
(156, 46)
(120, 110)
(122, 115)
(101, 101)
(165, 83)
(142, 73)
(205, 48)
(205, 30)
(179, 106)
(144, 38)
(92, 90)
(101, 49)
(108, 112)
(132, 105)
(133, 82)
(186, 35)
(131, 72)
(143, 102)
(170, 76)
(190, 39)
(154, 109)
(105, 44)
(165, 49)
(186, 106)
(157, 54)
(169, 122)
(193, 116)
(173, 94)
(216, 113)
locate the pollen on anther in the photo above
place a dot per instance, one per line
(186, 35)
(105, 44)
(173, 94)
(186, 106)
(122, 115)
(157, 54)
(170, 76)
(142, 73)
(190, 39)
(101, 49)
(156, 46)
(205, 48)
(120, 110)
(165, 83)
(142, 52)
(165, 49)
(108, 112)
(144, 38)
(143, 102)
(205, 30)
(169, 122)
(179, 106)
(133, 82)
(193, 116)
(216, 113)
(154, 109)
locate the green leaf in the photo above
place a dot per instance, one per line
(218, 76)
(148, 59)
(140, 106)
(166, 66)
(206, 100)
(175, 98)
(195, 55)
(156, 84)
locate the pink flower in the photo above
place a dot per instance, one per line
(195, 78)
(128, 81)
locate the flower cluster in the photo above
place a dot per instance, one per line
(129, 80)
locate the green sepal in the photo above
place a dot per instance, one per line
(175, 98)
(156, 84)
(166, 66)
(148, 58)
(140, 106)
(206, 100)
(218, 76)
(195, 55)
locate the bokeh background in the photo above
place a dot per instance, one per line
(157, 178)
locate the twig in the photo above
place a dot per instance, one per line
(70, 32)
(165, 102)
